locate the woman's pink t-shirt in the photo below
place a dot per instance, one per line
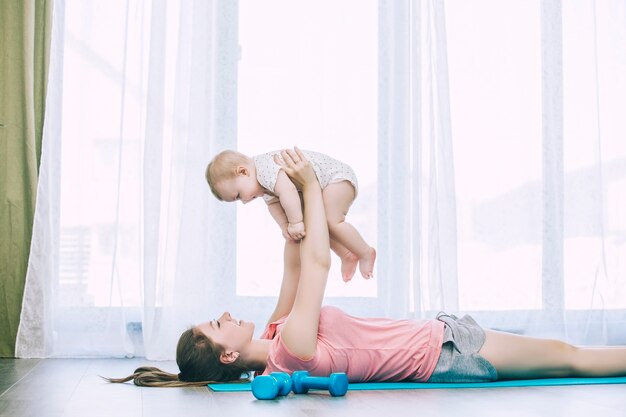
(367, 349)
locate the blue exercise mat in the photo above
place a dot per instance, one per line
(362, 386)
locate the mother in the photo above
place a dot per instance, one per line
(304, 335)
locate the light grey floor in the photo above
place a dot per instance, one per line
(72, 387)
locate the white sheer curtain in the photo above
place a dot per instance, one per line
(504, 191)
(124, 254)
(501, 166)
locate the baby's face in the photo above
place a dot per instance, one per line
(242, 187)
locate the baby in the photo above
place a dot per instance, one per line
(234, 176)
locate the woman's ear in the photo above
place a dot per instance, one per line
(228, 357)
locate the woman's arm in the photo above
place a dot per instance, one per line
(291, 276)
(300, 331)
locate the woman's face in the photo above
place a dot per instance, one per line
(233, 335)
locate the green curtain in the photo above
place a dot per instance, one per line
(25, 27)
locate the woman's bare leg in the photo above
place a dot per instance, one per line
(520, 357)
(338, 198)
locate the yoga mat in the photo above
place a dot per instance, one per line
(361, 386)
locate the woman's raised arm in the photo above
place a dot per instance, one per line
(289, 285)
(300, 331)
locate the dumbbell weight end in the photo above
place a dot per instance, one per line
(268, 387)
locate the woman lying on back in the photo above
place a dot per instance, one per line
(303, 335)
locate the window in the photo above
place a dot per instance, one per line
(496, 128)
(496, 70)
(299, 85)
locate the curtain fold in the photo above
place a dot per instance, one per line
(417, 205)
(24, 41)
(394, 145)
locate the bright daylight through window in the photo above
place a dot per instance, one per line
(299, 85)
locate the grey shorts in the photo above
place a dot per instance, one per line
(459, 360)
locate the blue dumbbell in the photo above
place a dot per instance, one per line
(336, 384)
(268, 387)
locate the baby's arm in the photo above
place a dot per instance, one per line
(277, 212)
(290, 202)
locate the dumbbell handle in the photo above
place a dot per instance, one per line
(318, 382)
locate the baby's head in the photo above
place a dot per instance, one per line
(231, 176)
(223, 167)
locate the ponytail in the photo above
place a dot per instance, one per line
(147, 376)
(198, 359)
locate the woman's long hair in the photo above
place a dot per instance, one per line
(198, 359)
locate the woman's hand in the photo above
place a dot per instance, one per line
(296, 166)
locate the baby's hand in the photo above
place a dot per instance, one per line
(286, 234)
(296, 230)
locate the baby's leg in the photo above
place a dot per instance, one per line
(519, 357)
(337, 200)
(349, 260)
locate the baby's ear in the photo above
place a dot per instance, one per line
(242, 170)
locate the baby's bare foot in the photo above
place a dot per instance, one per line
(348, 265)
(366, 264)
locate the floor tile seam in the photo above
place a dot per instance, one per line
(23, 376)
(76, 386)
